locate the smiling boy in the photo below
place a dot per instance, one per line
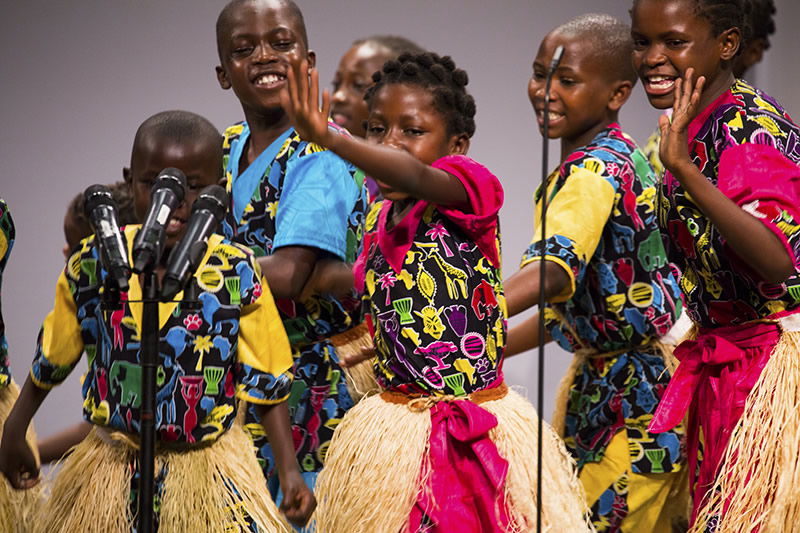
(611, 292)
(295, 204)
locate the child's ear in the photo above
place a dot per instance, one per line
(459, 144)
(312, 59)
(126, 175)
(222, 78)
(729, 42)
(619, 95)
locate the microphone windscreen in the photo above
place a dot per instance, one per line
(214, 199)
(94, 196)
(173, 179)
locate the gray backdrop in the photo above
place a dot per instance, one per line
(79, 77)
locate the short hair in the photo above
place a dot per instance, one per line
(761, 21)
(120, 192)
(726, 14)
(439, 75)
(223, 20)
(607, 38)
(178, 126)
(395, 44)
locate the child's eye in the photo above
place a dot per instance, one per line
(414, 131)
(374, 130)
(282, 45)
(242, 51)
(360, 86)
(566, 81)
(675, 43)
(639, 43)
(537, 75)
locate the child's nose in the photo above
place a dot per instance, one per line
(653, 55)
(264, 53)
(339, 95)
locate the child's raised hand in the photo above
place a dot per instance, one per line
(301, 103)
(298, 501)
(17, 462)
(674, 147)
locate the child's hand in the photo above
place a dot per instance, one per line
(17, 461)
(347, 361)
(301, 103)
(330, 276)
(298, 500)
(674, 147)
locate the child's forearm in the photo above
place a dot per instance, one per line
(54, 447)
(524, 336)
(30, 399)
(522, 289)
(288, 269)
(399, 169)
(330, 276)
(275, 419)
(752, 241)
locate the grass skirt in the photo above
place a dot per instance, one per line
(758, 486)
(16, 506)
(375, 469)
(360, 378)
(92, 489)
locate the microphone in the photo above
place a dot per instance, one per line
(557, 55)
(207, 213)
(167, 194)
(101, 210)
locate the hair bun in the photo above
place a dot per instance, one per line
(460, 77)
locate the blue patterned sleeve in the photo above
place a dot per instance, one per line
(7, 233)
(318, 195)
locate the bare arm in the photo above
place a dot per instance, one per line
(56, 446)
(298, 501)
(522, 289)
(397, 168)
(745, 234)
(330, 276)
(288, 270)
(17, 460)
(524, 336)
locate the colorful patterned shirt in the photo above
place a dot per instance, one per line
(749, 148)
(622, 295)
(300, 194)
(232, 345)
(7, 234)
(435, 290)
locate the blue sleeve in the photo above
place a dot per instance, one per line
(319, 193)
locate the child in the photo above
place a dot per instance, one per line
(353, 78)
(447, 446)
(728, 208)
(611, 292)
(77, 228)
(295, 204)
(761, 22)
(15, 506)
(233, 345)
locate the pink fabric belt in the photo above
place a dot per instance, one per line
(466, 475)
(713, 380)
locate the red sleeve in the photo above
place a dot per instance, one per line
(479, 219)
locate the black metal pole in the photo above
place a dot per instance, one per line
(148, 358)
(544, 199)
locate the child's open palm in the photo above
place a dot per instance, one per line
(674, 146)
(301, 103)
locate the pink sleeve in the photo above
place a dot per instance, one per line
(485, 194)
(766, 184)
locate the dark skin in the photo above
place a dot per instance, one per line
(405, 134)
(265, 41)
(584, 100)
(671, 42)
(200, 161)
(353, 78)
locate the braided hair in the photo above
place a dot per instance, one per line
(761, 19)
(446, 83)
(726, 14)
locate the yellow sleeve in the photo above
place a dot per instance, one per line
(60, 343)
(576, 217)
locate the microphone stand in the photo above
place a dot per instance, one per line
(557, 55)
(147, 435)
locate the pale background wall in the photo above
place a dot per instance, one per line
(78, 77)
